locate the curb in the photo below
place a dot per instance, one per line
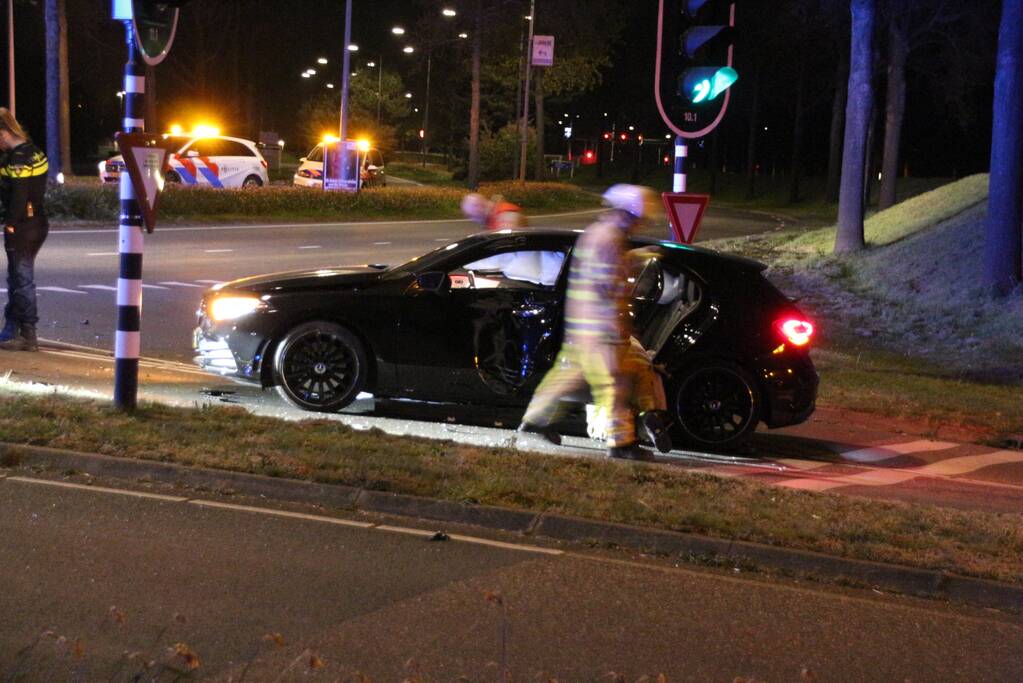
(919, 582)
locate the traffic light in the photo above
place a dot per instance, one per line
(694, 73)
(701, 42)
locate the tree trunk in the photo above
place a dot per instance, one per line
(538, 167)
(868, 157)
(57, 104)
(837, 126)
(751, 142)
(473, 180)
(796, 170)
(895, 108)
(849, 236)
(1003, 246)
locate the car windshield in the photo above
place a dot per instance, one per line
(417, 263)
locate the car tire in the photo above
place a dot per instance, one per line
(253, 181)
(320, 366)
(173, 177)
(716, 406)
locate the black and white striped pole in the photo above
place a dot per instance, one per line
(130, 242)
(678, 183)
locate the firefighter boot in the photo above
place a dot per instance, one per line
(9, 332)
(657, 426)
(546, 432)
(632, 451)
(24, 341)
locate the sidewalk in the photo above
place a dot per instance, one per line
(836, 451)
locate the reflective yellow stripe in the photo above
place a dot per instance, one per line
(32, 171)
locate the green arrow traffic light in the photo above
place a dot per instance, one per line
(705, 83)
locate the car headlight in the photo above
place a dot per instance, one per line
(231, 307)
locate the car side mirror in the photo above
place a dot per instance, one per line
(432, 281)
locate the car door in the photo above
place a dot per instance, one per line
(197, 164)
(235, 162)
(490, 332)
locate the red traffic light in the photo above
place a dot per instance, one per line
(589, 157)
(607, 136)
(624, 136)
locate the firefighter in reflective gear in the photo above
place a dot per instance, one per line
(22, 186)
(493, 214)
(597, 349)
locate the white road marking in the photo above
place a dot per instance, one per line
(97, 489)
(286, 513)
(106, 288)
(175, 283)
(972, 463)
(950, 467)
(63, 290)
(211, 282)
(442, 239)
(152, 287)
(889, 451)
(310, 246)
(381, 244)
(281, 513)
(102, 253)
(217, 251)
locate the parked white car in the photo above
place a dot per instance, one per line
(310, 171)
(215, 161)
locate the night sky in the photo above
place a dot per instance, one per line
(244, 72)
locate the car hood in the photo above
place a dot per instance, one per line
(341, 277)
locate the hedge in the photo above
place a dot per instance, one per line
(91, 202)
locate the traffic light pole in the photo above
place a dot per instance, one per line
(127, 341)
(679, 180)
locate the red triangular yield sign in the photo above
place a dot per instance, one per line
(146, 157)
(685, 211)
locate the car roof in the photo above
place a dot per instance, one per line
(701, 253)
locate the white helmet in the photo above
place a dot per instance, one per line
(637, 200)
(476, 206)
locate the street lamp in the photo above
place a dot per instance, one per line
(448, 12)
(398, 31)
(353, 48)
(321, 60)
(408, 49)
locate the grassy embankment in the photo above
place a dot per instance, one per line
(906, 328)
(972, 543)
(94, 202)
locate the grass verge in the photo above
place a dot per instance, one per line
(861, 378)
(93, 202)
(965, 542)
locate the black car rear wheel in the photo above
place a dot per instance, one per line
(717, 406)
(320, 366)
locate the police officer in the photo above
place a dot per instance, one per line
(597, 346)
(22, 186)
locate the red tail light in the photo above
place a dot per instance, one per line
(265, 165)
(796, 331)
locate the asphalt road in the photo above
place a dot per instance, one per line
(386, 601)
(76, 271)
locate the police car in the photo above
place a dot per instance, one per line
(310, 170)
(213, 161)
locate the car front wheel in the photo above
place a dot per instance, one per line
(717, 406)
(320, 366)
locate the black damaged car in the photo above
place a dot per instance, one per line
(479, 321)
